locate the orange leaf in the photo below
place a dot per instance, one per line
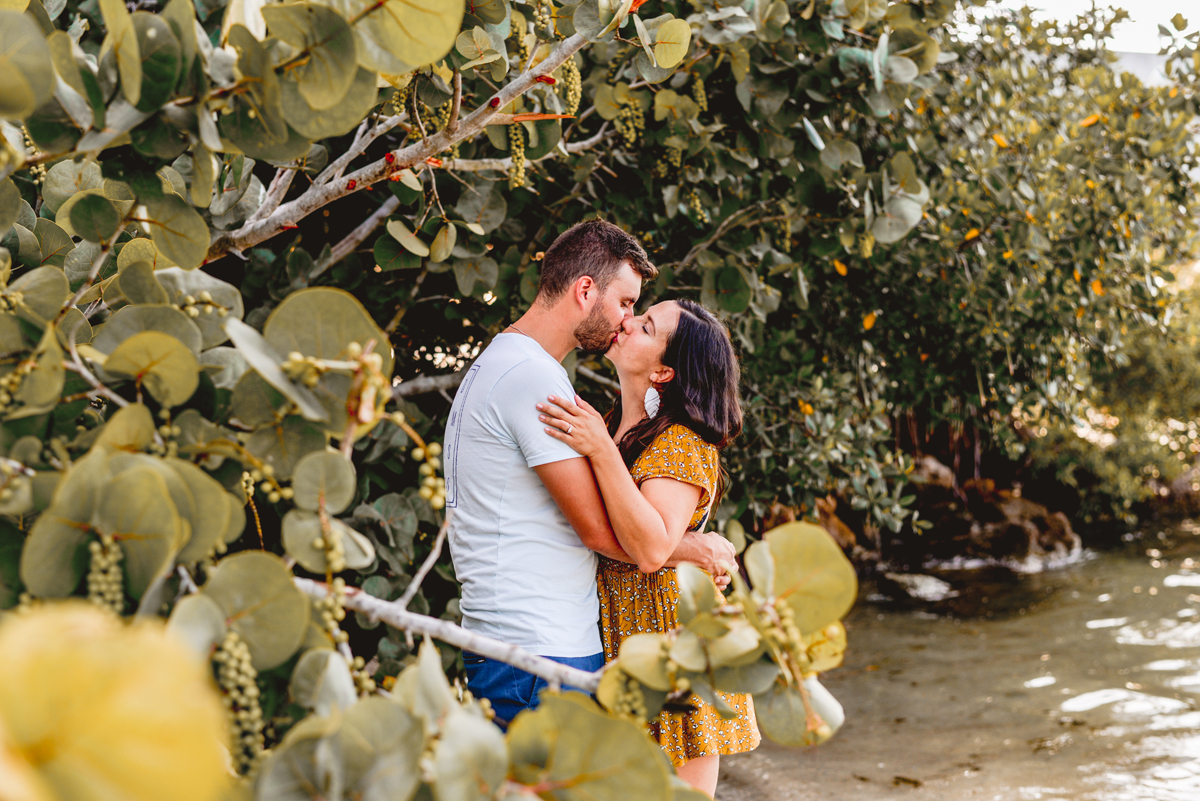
(1008, 254)
(536, 117)
(841, 268)
(1000, 140)
(1079, 313)
(869, 321)
(1090, 121)
(1098, 287)
(974, 232)
(1076, 274)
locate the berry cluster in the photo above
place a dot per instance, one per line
(630, 121)
(433, 488)
(400, 98)
(9, 300)
(195, 305)
(330, 541)
(516, 145)
(572, 83)
(332, 610)
(543, 19)
(699, 93)
(669, 164)
(362, 679)
(697, 207)
(38, 170)
(237, 679)
(631, 701)
(614, 66)
(269, 486)
(105, 580)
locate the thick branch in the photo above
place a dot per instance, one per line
(428, 383)
(291, 213)
(595, 377)
(427, 565)
(396, 616)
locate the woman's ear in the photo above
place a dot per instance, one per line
(661, 376)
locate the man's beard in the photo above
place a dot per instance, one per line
(594, 335)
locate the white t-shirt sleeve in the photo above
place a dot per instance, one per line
(515, 397)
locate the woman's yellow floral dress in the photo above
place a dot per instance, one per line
(632, 602)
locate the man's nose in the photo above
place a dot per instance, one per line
(627, 322)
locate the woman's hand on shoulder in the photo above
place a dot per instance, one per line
(575, 423)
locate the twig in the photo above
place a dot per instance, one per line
(77, 366)
(455, 104)
(480, 165)
(427, 565)
(280, 185)
(91, 279)
(399, 315)
(392, 613)
(344, 248)
(321, 194)
(595, 377)
(423, 384)
(725, 225)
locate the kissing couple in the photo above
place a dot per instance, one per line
(567, 525)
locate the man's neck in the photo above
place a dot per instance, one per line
(544, 327)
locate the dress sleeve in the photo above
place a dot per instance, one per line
(680, 454)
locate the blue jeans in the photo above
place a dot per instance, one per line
(511, 689)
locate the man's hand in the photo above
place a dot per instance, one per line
(707, 550)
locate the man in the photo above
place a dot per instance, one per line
(528, 519)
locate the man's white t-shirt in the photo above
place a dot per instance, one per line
(527, 579)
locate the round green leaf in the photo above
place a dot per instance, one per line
(324, 476)
(180, 283)
(162, 58)
(671, 42)
(136, 510)
(733, 291)
(132, 320)
(43, 292)
(266, 361)
(255, 592)
(95, 218)
(67, 178)
(160, 362)
(381, 747)
(42, 387)
(389, 255)
(422, 30)
(130, 429)
(210, 515)
(812, 575)
(54, 557)
(407, 238)
(342, 118)
(570, 742)
(141, 249)
(122, 41)
(139, 286)
(301, 529)
(328, 64)
(443, 243)
(53, 242)
(644, 656)
(199, 622)
(322, 682)
(26, 69)
(178, 231)
(470, 760)
(255, 402)
(283, 444)
(321, 322)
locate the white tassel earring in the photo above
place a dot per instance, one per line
(652, 402)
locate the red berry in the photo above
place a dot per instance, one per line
(545, 79)
(390, 158)
(350, 186)
(494, 102)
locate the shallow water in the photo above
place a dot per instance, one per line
(1080, 682)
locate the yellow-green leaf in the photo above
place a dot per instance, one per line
(123, 41)
(327, 59)
(812, 575)
(407, 238)
(160, 362)
(178, 231)
(671, 42)
(26, 69)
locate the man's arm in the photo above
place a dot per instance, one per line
(572, 485)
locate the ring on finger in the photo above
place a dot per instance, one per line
(569, 427)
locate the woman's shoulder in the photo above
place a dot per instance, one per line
(679, 437)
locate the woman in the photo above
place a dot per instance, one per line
(658, 468)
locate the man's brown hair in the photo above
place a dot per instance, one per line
(596, 248)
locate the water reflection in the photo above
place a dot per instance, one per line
(1075, 684)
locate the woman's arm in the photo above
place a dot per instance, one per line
(649, 521)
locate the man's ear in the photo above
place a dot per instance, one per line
(662, 375)
(585, 290)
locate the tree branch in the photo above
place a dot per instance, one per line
(428, 383)
(280, 185)
(595, 377)
(319, 195)
(434, 552)
(392, 613)
(344, 248)
(480, 165)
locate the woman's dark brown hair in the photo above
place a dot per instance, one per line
(703, 395)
